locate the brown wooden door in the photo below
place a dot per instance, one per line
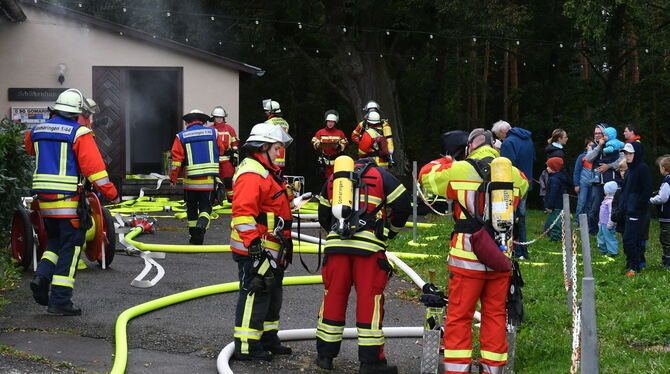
(110, 95)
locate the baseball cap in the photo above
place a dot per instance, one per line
(628, 148)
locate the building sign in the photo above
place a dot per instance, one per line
(30, 115)
(34, 94)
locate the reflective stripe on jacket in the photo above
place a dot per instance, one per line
(459, 181)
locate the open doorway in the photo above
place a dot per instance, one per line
(153, 117)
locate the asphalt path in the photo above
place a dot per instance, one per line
(186, 337)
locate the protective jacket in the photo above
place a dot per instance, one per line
(360, 129)
(458, 181)
(260, 206)
(198, 149)
(470, 280)
(374, 144)
(64, 149)
(228, 138)
(277, 120)
(332, 136)
(387, 211)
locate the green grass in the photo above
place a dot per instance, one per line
(632, 313)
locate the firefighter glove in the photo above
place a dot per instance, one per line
(257, 284)
(255, 250)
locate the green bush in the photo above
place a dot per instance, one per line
(15, 173)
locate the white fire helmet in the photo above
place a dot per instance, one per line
(271, 106)
(218, 111)
(371, 105)
(269, 133)
(332, 117)
(91, 106)
(69, 101)
(373, 118)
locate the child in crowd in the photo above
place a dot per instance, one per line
(662, 202)
(607, 242)
(612, 144)
(583, 177)
(553, 200)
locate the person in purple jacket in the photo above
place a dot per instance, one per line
(607, 242)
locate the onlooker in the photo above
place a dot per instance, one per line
(630, 133)
(662, 202)
(612, 144)
(517, 145)
(583, 178)
(605, 165)
(607, 242)
(553, 200)
(635, 194)
(554, 148)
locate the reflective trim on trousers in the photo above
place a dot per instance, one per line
(463, 264)
(457, 368)
(51, 256)
(488, 369)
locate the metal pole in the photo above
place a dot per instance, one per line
(590, 352)
(568, 247)
(414, 201)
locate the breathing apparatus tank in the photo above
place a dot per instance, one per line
(388, 134)
(343, 191)
(502, 199)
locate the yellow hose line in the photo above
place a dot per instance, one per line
(422, 225)
(298, 247)
(121, 349)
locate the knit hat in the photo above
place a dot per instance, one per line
(555, 163)
(610, 187)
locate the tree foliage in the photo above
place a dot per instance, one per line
(16, 168)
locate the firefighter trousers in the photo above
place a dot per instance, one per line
(198, 208)
(59, 261)
(257, 314)
(226, 172)
(464, 292)
(369, 275)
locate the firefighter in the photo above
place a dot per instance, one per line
(470, 280)
(371, 106)
(260, 243)
(89, 108)
(63, 149)
(228, 160)
(197, 149)
(373, 143)
(274, 116)
(330, 142)
(358, 257)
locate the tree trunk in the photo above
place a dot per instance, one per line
(485, 81)
(506, 85)
(514, 82)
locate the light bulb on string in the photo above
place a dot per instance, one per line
(437, 59)
(466, 60)
(344, 29)
(252, 45)
(412, 58)
(388, 33)
(474, 39)
(211, 18)
(524, 64)
(124, 9)
(646, 50)
(186, 40)
(317, 51)
(257, 22)
(553, 65)
(518, 42)
(284, 49)
(348, 53)
(381, 55)
(495, 62)
(220, 42)
(80, 5)
(430, 36)
(604, 48)
(168, 14)
(560, 45)
(300, 25)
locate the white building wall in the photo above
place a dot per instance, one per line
(30, 52)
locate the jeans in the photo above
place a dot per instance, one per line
(607, 242)
(631, 242)
(521, 250)
(583, 198)
(664, 238)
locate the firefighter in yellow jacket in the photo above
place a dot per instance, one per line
(470, 280)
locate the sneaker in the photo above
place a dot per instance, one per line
(40, 287)
(631, 273)
(377, 368)
(612, 255)
(64, 310)
(254, 356)
(324, 362)
(278, 349)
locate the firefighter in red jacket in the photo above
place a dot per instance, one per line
(260, 242)
(358, 257)
(63, 149)
(89, 108)
(274, 116)
(330, 142)
(230, 143)
(357, 134)
(197, 150)
(470, 280)
(373, 143)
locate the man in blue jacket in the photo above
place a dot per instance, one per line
(517, 145)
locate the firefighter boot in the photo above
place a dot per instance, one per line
(197, 235)
(324, 362)
(64, 310)
(253, 356)
(379, 367)
(40, 287)
(278, 349)
(666, 262)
